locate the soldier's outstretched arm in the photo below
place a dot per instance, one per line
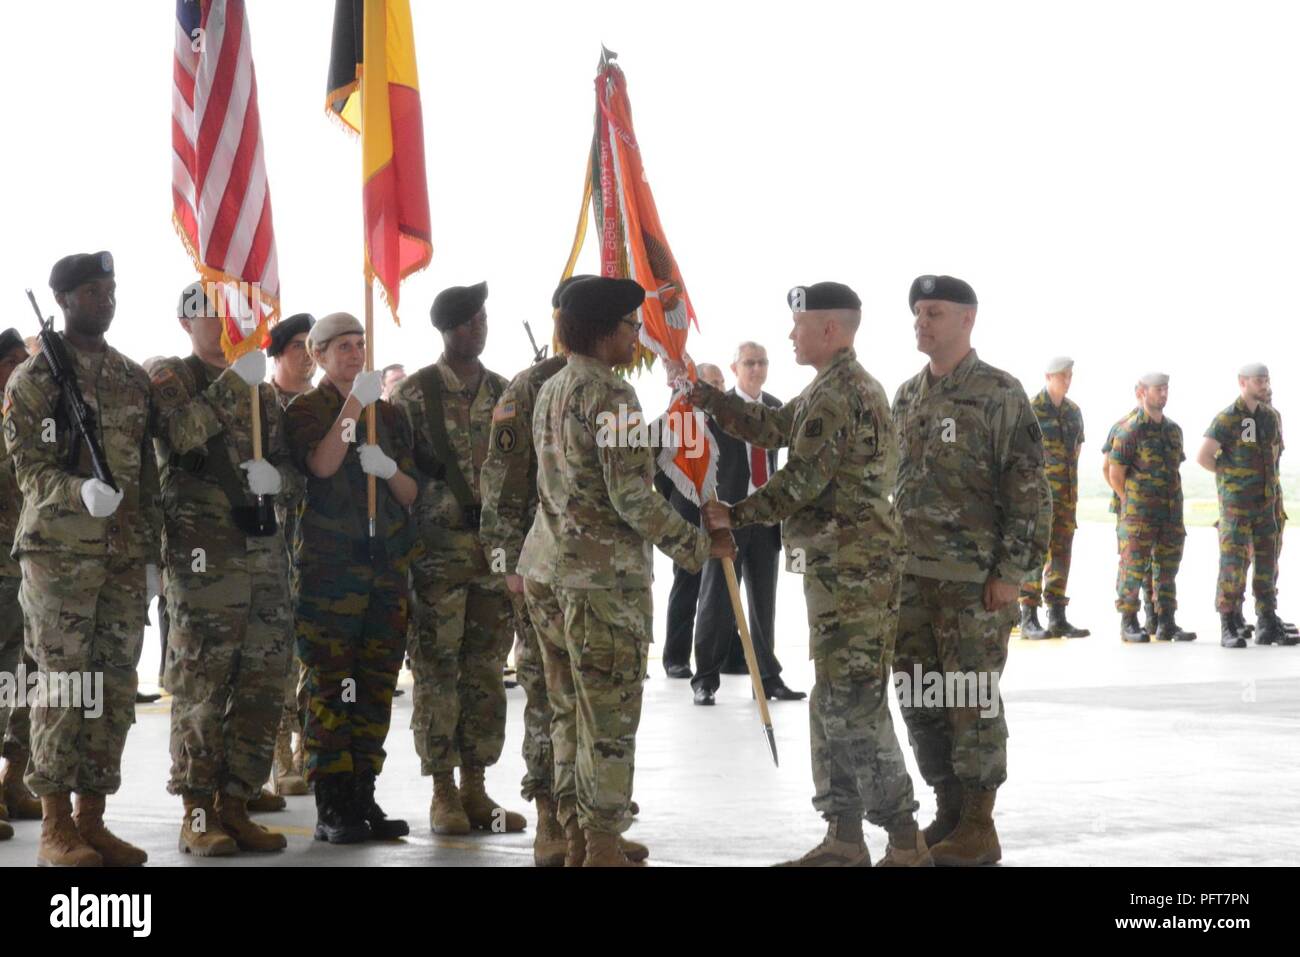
(185, 421)
(753, 422)
(29, 425)
(1024, 497)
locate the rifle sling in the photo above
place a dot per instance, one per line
(448, 464)
(217, 461)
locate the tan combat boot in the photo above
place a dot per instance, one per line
(603, 850)
(575, 843)
(201, 832)
(61, 845)
(974, 840)
(484, 813)
(634, 852)
(23, 804)
(446, 814)
(906, 849)
(266, 801)
(549, 844)
(248, 834)
(948, 796)
(89, 819)
(287, 781)
(843, 846)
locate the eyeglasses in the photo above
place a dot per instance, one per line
(634, 323)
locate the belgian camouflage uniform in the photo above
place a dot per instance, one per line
(590, 545)
(350, 616)
(463, 626)
(15, 725)
(508, 484)
(83, 591)
(227, 592)
(842, 533)
(287, 504)
(1151, 518)
(1246, 477)
(975, 505)
(1062, 438)
(1120, 537)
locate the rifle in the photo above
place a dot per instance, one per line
(83, 421)
(538, 354)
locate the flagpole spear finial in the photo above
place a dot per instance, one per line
(607, 55)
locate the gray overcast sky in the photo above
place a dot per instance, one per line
(1117, 180)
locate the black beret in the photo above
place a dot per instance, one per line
(9, 341)
(600, 299)
(943, 288)
(457, 305)
(822, 295)
(71, 271)
(284, 330)
(564, 284)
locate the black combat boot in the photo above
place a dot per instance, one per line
(382, 828)
(1268, 628)
(1228, 634)
(1029, 626)
(1130, 630)
(1058, 627)
(336, 819)
(1240, 626)
(1149, 611)
(1168, 629)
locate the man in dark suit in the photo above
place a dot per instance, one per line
(742, 469)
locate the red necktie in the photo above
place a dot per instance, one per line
(757, 466)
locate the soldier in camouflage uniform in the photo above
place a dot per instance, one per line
(1243, 447)
(1061, 422)
(83, 548)
(226, 581)
(1148, 608)
(350, 616)
(1144, 469)
(842, 534)
(976, 513)
(463, 627)
(587, 561)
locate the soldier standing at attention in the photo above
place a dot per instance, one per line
(587, 560)
(350, 619)
(842, 533)
(1148, 608)
(976, 511)
(1061, 422)
(463, 629)
(83, 548)
(1143, 471)
(1242, 447)
(226, 580)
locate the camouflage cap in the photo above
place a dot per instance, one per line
(1059, 364)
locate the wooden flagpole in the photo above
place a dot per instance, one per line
(370, 409)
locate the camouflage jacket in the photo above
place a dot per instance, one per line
(187, 414)
(971, 490)
(54, 519)
(289, 501)
(1152, 452)
(832, 494)
(1062, 438)
(11, 503)
(598, 511)
(333, 517)
(452, 551)
(1246, 470)
(508, 479)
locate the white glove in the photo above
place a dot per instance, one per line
(263, 477)
(152, 583)
(375, 462)
(367, 387)
(100, 500)
(251, 367)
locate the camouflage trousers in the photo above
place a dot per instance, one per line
(15, 722)
(1242, 541)
(227, 649)
(350, 625)
(84, 618)
(462, 641)
(947, 639)
(1120, 538)
(530, 671)
(1056, 567)
(1149, 548)
(595, 644)
(857, 763)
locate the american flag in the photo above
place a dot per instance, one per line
(221, 204)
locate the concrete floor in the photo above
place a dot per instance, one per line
(1120, 755)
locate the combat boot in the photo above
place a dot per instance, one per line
(446, 813)
(1228, 634)
(382, 827)
(89, 819)
(906, 848)
(286, 780)
(1239, 624)
(6, 830)
(1058, 627)
(485, 814)
(1268, 628)
(266, 802)
(575, 843)
(975, 840)
(1029, 625)
(633, 850)
(201, 832)
(1168, 629)
(1130, 630)
(248, 834)
(604, 850)
(61, 843)
(549, 844)
(336, 821)
(1149, 613)
(843, 846)
(948, 797)
(23, 804)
